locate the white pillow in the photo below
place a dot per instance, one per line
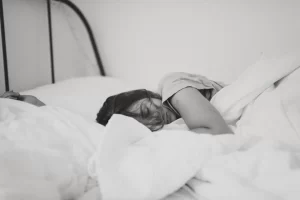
(134, 163)
(83, 95)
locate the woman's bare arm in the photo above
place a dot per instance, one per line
(198, 113)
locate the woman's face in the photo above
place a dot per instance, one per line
(169, 115)
(151, 111)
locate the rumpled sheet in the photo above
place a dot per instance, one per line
(135, 163)
(260, 161)
(44, 152)
(263, 105)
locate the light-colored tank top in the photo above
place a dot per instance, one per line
(176, 81)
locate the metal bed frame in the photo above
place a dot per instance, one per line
(49, 13)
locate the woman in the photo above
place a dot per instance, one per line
(180, 95)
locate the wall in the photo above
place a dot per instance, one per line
(72, 49)
(140, 40)
(27, 39)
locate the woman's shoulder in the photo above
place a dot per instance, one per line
(180, 76)
(173, 82)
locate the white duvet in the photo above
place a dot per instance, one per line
(260, 161)
(51, 153)
(44, 152)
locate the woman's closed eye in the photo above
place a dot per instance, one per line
(145, 112)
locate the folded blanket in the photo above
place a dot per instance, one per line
(44, 151)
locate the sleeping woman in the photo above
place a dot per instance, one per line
(180, 95)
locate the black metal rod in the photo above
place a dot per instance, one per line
(90, 33)
(4, 47)
(51, 40)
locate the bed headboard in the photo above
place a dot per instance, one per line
(49, 16)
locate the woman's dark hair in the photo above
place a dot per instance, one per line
(120, 103)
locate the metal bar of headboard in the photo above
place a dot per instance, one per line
(51, 40)
(89, 30)
(49, 13)
(5, 65)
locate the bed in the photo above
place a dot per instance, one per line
(59, 152)
(37, 178)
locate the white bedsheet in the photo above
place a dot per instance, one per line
(261, 161)
(44, 152)
(265, 103)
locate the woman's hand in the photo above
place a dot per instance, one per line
(31, 99)
(10, 95)
(26, 98)
(198, 113)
